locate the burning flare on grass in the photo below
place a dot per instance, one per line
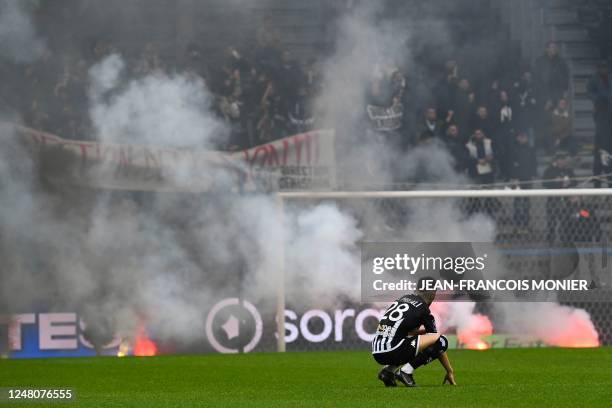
(563, 326)
(143, 346)
(124, 348)
(471, 334)
(550, 323)
(471, 327)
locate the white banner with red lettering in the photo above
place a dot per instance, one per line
(304, 161)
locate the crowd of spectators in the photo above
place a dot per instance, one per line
(261, 98)
(270, 95)
(596, 17)
(491, 126)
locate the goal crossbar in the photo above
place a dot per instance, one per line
(566, 192)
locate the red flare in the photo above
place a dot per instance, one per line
(143, 346)
(471, 335)
(470, 327)
(578, 331)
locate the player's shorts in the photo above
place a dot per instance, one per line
(403, 353)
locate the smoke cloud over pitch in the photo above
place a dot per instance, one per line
(166, 259)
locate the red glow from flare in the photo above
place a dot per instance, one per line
(578, 333)
(143, 346)
(552, 324)
(470, 327)
(471, 335)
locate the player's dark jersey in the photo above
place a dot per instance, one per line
(406, 314)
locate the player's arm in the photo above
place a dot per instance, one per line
(430, 327)
(429, 324)
(450, 374)
(417, 332)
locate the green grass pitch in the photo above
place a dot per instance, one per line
(511, 377)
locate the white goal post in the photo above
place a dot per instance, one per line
(332, 195)
(318, 195)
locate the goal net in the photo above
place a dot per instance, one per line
(552, 234)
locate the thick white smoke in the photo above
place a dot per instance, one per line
(159, 109)
(323, 257)
(170, 258)
(553, 324)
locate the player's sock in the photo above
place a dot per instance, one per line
(407, 368)
(429, 354)
(391, 368)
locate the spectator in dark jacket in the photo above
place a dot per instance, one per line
(560, 173)
(503, 122)
(431, 125)
(462, 104)
(288, 77)
(523, 161)
(551, 75)
(446, 88)
(522, 172)
(457, 149)
(525, 105)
